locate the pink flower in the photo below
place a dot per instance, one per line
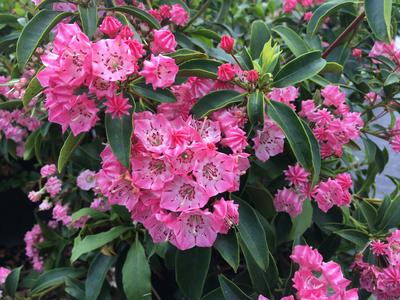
(297, 175)
(86, 180)
(123, 192)
(372, 97)
(269, 141)
(308, 286)
(136, 48)
(194, 228)
(35, 196)
(163, 42)
(151, 173)
(333, 96)
(307, 257)
(165, 11)
(307, 16)
(45, 205)
(226, 72)
(160, 71)
(83, 114)
(287, 200)
(126, 32)
(156, 14)
(226, 213)
(289, 5)
(53, 186)
(306, 3)
(117, 106)
(285, 95)
(179, 15)
(110, 26)
(102, 88)
(182, 194)
(32, 238)
(60, 214)
(112, 60)
(356, 52)
(227, 43)
(235, 138)
(4, 274)
(378, 247)
(48, 170)
(332, 273)
(252, 76)
(332, 192)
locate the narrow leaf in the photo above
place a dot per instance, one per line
(260, 34)
(89, 17)
(70, 144)
(230, 290)
(255, 108)
(96, 274)
(379, 14)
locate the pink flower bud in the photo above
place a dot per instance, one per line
(226, 72)
(110, 26)
(126, 32)
(163, 42)
(252, 76)
(357, 53)
(227, 43)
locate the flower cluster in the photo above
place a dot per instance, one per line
(32, 239)
(327, 193)
(381, 278)
(176, 14)
(388, 50)
(333, 124)
(16, 125)
(74, 62)
(290, 5)
(178, 173)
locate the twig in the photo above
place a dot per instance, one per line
(341, 37)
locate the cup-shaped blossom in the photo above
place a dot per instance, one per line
(160, 71)
(226, 214)
(163, 41)
(307, 257)
(269, 141)
(86, 180)
(287, 200)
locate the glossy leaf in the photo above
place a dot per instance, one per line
(230, 290)
(214, 101)
(32, 90)
(379, 14)
(136, 273)
(140, 14)
(12, 280)
(191, 268)
(70, 144)
(228, 246)
(88, 212)
(255, 108)
(391, 216)
(75, 288)
(182, 55)
(358, 238)
(53, 278)
(253, 235)
(147, 91)
(35, 32)
(301, 222)
(299, 69)
(89, 17)
(260, 34)
(11, 104)
(96, 275)
(292, 40)
(200, 68)
(324, 11)
(119, 132)
(95, 241)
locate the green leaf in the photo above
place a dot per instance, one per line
(245, 59)
(357, 237)
(214, 101)
(391, 216)
(301, 222)
(87, 211)
(75, 288)
(182, 55)
(140, 14)
(136, 273)
(89, 16)
(299, 136)
(260, 35)
(70, 144)
(53, 278)
(94, 241)
(253, 235)
(228, 246)
(96, 274)
(34, 33)
(332, 67)
(30, 145)
(299, 69)
(379, 14)
(292, 40)
(33, 89)
(324, 11)
(369, 212)
(206, 68)
(255, 108)
(191, 267)
(12, 280)
(8, 19)
(230, 290)
(159, 95)
(10, 104)
(119, 132)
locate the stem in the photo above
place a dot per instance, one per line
(237, 61)
(340, 38)
(199, 12)
(156, 295)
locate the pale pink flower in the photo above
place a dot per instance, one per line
(112, 60)
(110, 26)
(179, 15)
(289, 5)
(285, 95)
(123, 192)
(86, 180)
(45, 205)
(117, 106)
(160, 71)
(53, 186)
(102, 88)
(83, 114)
(150, 173)
(235, 138)
(48, 170)
(227, 43)
(60, 214)
(269, 141)
(332, 273)
(307, 257)
(287, 200)
(227, 215)
(4, 272)
(163, 41)
(35, 196)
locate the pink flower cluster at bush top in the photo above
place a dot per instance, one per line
(332, 122)
(290, 5)
(381, 275)
(177, 170)
(75, 62)
(32, 239)
(327, 193)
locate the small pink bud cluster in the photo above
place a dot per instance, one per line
(290, 5)
(383, 278)
(32, 239)
(334, 124)
(176, 14)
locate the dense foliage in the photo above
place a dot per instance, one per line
(202, 149)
